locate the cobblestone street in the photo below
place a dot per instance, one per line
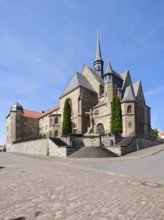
(41, 189)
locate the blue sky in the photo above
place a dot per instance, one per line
(43, 43)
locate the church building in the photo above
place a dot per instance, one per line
(90, 95)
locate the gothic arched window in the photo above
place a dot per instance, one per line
(129, 109)
(100, 129)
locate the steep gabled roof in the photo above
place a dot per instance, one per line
(136, 86)
(96, 75)
(77, 81)
(126, 79)
(138, 91)
(128, 94)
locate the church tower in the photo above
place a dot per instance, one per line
(14, 124)
(99, 63)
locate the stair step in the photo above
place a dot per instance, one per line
(115, 150)
(92, 152)
(58, 142)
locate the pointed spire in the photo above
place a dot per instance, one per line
(109, 68)
(98, 49)
(99, 63)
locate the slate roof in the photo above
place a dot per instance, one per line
(136, 86)
(99, 104)
(98, 50)
(128, 94)
(16, 107)
(77, 81)
(124, 75)
(109, 68)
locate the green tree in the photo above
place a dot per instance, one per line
(113, 115)
(67, 124)
(156, 132)
(116, 116)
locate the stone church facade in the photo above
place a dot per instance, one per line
(90, 95)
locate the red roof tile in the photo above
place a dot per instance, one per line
(161, 133)
(31, 114)
(49, 111)
(37, 115)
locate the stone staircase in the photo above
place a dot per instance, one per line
(92, 152)
(116, 150)
(58, 142)
(124, 142)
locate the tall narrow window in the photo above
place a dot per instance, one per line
(56, 120)
(56, 133)
(129, 109)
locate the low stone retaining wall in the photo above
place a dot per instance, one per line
(90, 141)
(54, 150)
(138, 144)
(47, 147)
(40, 147)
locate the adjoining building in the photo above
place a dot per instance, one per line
(161, 135)
(90, 95)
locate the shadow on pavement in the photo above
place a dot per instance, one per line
(19, 218)
(1, 167)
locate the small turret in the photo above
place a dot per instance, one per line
(16, 107)
(109, 68)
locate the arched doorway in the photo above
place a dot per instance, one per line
(100, 129)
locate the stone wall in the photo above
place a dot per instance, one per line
(108, 141)
(90, 141)
(39, 147)
(47, 147)
(138, 144)
(87, 72)
(54, 150)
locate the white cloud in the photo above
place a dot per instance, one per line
(154, 91)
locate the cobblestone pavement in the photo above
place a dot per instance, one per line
(41, 189)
